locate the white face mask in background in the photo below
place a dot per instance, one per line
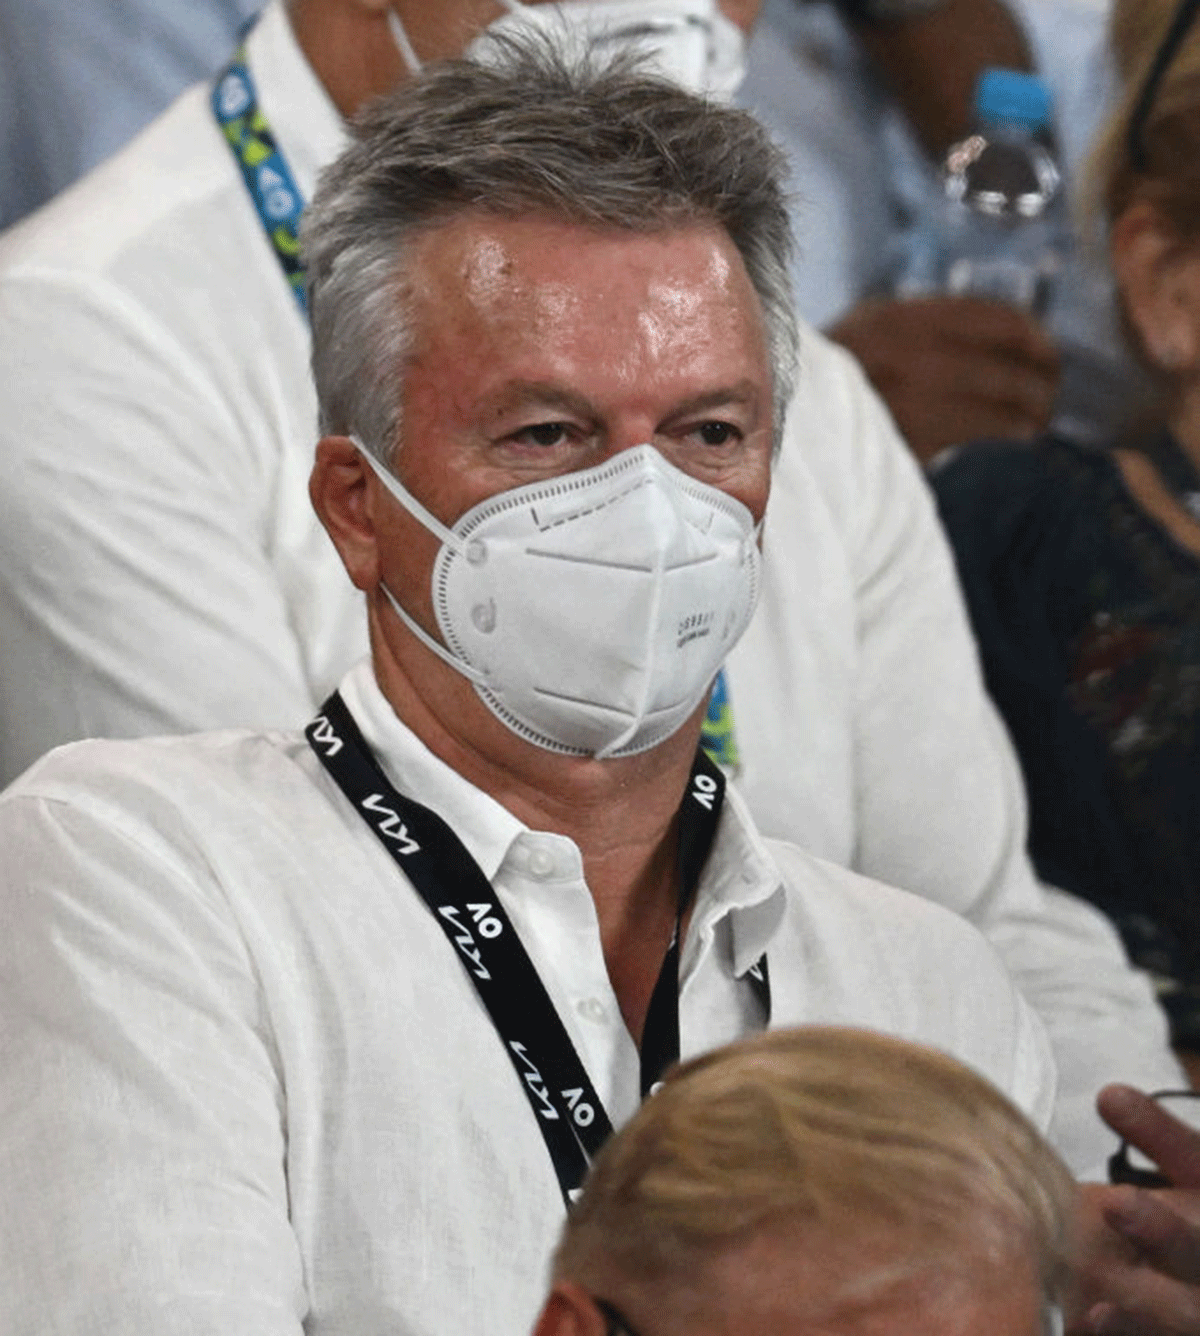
(690, 42)
(593, 610)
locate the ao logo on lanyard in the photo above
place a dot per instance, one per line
(569, 1112)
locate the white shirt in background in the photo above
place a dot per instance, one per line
(161, 569)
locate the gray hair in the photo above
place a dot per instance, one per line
(601, 143)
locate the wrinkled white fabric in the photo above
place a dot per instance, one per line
(161, 569)
(249, 1090)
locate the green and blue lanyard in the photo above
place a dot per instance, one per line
(267, 176)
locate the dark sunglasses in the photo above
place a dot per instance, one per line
(1163, 57)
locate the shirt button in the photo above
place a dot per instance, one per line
(541, 862)
(592, 1009)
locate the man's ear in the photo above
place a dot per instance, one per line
(569, 1311)
(342, 490)
(1159, 284)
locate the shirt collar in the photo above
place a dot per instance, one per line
(307, 127)
(486, 829)
(741, 880)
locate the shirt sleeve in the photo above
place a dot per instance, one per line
(138, 593)
(940, 808)
(884, 959)
(142, 1135)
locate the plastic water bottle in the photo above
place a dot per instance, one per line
(996, 229)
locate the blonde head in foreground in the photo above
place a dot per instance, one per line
(818, 1180)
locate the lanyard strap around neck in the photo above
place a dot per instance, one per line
(717, 736)
(569, 1112)
(265, 171)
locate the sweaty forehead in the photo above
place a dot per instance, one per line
(538, 272)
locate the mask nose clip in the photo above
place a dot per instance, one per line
(400, 36)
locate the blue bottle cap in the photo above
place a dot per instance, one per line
(1013, 97)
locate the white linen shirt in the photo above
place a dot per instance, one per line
(248, 1086)
(161, 568)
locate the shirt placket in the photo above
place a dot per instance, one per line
(540, 882)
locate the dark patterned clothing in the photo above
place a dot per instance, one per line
(1088, 619)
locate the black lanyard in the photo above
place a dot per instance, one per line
(568, 1110)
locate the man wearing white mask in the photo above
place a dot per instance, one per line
(699, 44)
(161, 570)
(181, 580)
(318, 1031)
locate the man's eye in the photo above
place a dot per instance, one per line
(717, 433)
(542, 433)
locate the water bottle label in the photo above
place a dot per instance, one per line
(1005, 279)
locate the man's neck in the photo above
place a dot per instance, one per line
(351, 50)
(621, 813)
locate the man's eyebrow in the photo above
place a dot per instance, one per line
(518, 394)
(740, 392)
(521, 393)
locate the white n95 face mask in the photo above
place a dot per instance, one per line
(690, 42)
(593, 610)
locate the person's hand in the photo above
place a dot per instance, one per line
(954, 369)
(1139, 1269)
